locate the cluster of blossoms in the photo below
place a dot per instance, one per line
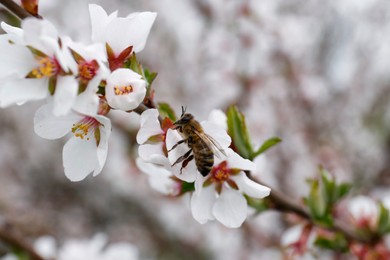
(362, 212)
(80, 82)
(221, 194)
(79, 249)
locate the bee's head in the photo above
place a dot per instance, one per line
(184, 118)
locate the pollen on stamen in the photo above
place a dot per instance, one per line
(123, 90)
(220, 173)
(87, 70)
(84, 127)
(47, 67)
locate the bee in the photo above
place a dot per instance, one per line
(202, 146)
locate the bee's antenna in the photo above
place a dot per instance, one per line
(183, 110)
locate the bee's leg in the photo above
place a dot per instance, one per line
(180, 142)
(183, 157)
(185, 162)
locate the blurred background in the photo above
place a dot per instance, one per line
(313, 72)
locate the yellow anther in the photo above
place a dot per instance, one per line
(47, 68)
(221, 172)
(83, 127)
(87, 70)
(123, 90)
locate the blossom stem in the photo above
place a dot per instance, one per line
(16, 9)
(8, 235)
(280, 202)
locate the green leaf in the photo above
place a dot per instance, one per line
(383, 220)
(267, 145)
(135, 66)
(166, 111)
(337, 243)
(52, 85)
(343, 189)
(259, 205)
(315, 201)
(187, 187)
(239, 133)
(149, 76)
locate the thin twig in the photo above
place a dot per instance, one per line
(8, 235)
(282, 203)
(16, 9)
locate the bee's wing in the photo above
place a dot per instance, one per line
(212, 143)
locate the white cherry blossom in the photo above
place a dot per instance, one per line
(87, 62)
(29, 72)
(152, 153)
(364, 212)
(86, 151)
(220, 195)
(120, 32)
(95, 248)
(125, 89)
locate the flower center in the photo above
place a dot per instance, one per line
(220, 173)
(123, 90)
(87, 70)
(85, 127)
(47, 68)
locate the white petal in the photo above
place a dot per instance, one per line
(120, 251)
(230, 208)
(79, 158)
(218, 133)
(36, 30)
(150, 125)
(15, 59)
(99, 19)
(172, 138)
(188, 173)
(363, 207)
(122, 76)
(292, 235)
(15, 91)
(46, 246)
(219, 118)
(235, 161)
(159, 177)
(130, 31)
(152, 169)
(12, 29)
(87, 102)
(202, 202)
(48, 126)
(153, 153)
(249, 187)
(65, 95)
(102, 149)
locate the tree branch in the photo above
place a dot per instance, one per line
(282, 203)
(277, 200)
(8, 235)
(16, 9)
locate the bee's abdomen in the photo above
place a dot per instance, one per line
(204, 158)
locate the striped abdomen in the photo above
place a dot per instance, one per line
(204, 157)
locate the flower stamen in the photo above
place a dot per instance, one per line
(220, 173)
(123, 90)
(87, 70)
(84, 127)
(47, 68)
